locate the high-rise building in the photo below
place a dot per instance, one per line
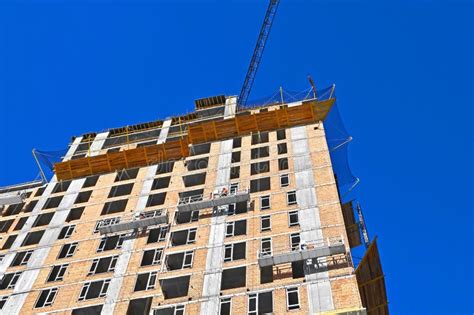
(222, 211)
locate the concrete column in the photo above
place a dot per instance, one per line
(320, 293)
(115, 285)
(215, 253)
(98, 143)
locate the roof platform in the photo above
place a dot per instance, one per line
(198, 202)
(139, 223)
(307, 251)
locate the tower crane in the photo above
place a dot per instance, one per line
(258, 52)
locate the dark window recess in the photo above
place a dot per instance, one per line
(261, 137)
(113, 150)
(266, 274)
(61, 186)
(197, 164)
(78, 156)
(199, 149)
(183, 237)
(157, 235)
(237, 208)
(164, 168)
(171, 310)
(160, 183)
(261, 303)
(20, 223)
(9, 242)
(21, 258)
(13, 209)
(234, 251)
(226, 306)
(236, 157)
(46, 297)
(103, 265)
(66, 232)
(126, 174)
(110, 243)
(261, 184)
(33, 238)
(261, 152)
(9, 280)
(140, 306)
(67, 250)
(57, 273)
(283, 164)
(236, 228)
(175, 287)
(30, 206)
(83, 196)
(114, 206)
(156, 199)
(53, 202)
(40, 191)
(120, 190)
(5, 225)
(282, 148)
(75, 214)
(297, 269)
(191, 193)
(89, 310)
(234, 172)
(152, 257)
(145, 281)
(94, 289)
(260, 167)
(281, 134)
(237, 143)
(145, 144)
(194, 180)
(43, 219)
(91, 181)
(178, 261)
(187, 216)
(233, 278)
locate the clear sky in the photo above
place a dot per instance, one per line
(404, 76)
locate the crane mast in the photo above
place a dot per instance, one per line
(258, 52)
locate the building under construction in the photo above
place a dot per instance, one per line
(222, 211)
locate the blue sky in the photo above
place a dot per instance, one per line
(404, 77)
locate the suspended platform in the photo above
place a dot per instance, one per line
(198, 202)
(309, 251)
(245, 123)
(139, 223)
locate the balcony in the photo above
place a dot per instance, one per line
(198, 202)
(309, 250)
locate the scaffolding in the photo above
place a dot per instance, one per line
(134, 223)
(199, 202)
(304, 251)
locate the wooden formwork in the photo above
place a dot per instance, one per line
(307, 113)
(371, 281)
(114, 161)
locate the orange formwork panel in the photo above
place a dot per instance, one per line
(114, 161)
(243, 124)
(307, 113)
